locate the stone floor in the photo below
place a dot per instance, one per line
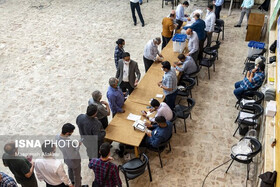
(52, 57)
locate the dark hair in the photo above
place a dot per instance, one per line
(105, 149)
(261, 66)
(197, 15)
(160, 119)
(210, 6)
(91, 110)
(172, 15)
(120, 41)
(166, 64)
(10, 148)
(47, 148)
(186, 3)
(125, 54)
(155, 103)
(181, 57)
(67, 128)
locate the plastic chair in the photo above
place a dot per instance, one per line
(135, 167)
(250, 61)
(219, 27)
(249, 118)
(161, 148)
(173, 120)
(195, 74)
(250, 96)
(209, 62)
(188, 84)
(183, 111)
(212, 49)
(247, 158)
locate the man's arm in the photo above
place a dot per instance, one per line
(29, 174)
(63, 177)
(38, 173)
(251, 4)
(213, 20)
(118, 70)
(169, 86)
(116, 177)
(156, 141)
(114, 106)
(138, 73)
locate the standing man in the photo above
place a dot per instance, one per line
(89, 128)
(126, 72)
(115, 97)
(22, 169)
(218, 7)
(199, 27)
(7, 181)
(106, 173)
(51, 170)
(188, 65)
(245, 9)
(210, 20)
(169, 84)
(180, 14)
(167, 29)
(134, 4)
(71, 154)
(119, 50)
(193, 44)
(151, 52)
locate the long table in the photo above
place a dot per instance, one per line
(120, 128)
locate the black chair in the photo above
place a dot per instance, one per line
(212, 49)
(250, 96)
(183, 111)
(195, 74)
(250, 62)
(209, 62)
(161, 148)
(188, 84)
(219, 27)
(256, 147)
(248, 118)
(135, 167)
(173, 120)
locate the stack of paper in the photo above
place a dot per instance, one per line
(133, 117)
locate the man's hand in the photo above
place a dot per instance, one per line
(254, 70)
(104, 102)
(71, 185)
(188, 54)
(149, 133)
(241, 8)
(160, 55)
(144, 113)
(147, 124)
(110, 158)
(159, 83)
(123, 111)
(189, 19)
(136, 83)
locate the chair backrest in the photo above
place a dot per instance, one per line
(213, 56)
(216, 46)
(256, 146)
(174, 117)
(188, 83)
(139, 169)
(258, 111)
(191, 103)
(253, 95)
(164, 144)
(220, 22)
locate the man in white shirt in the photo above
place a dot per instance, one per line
(128, 73)
(210, 20)
(150, 52)
(180, 14)
(51, 170)
(193, 44)
(134, 4)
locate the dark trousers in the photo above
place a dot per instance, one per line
(165, 41)
(201, 47)
(195, 55)
(147, 63)
(209, 38)
(31, 182)
(104, 122)
(60, 185)
(170, 99)
(180, 23)
(217, 11)
(75, 175)
(136, 6)
(125, 86)
(238, 90)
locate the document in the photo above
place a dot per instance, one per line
(133, 117)
(159, 96)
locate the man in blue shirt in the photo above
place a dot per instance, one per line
(159, 133)
(218, 7)
(245, 9)
(115, 96)
(252, 80)
(199, 27)
(180, 14)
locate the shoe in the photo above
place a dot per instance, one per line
(143, 24)
(237, 25)
(246, 27)
(135, 24)
(141, 3)
(120, 153)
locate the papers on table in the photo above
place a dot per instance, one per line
(149, 113)
(139, 125)
(159, 95)
(133, 117)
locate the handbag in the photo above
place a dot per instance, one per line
(273, 46)
(96, 184)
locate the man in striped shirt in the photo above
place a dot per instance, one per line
(106, 173)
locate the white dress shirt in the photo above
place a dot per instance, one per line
(125, 71)
(163, 110)
(51, 171)
(210, 21)
(193, 44)
(151, 51)
(134, 1)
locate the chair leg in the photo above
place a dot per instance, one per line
(174, 125)
(236, 130)
(160, 159)
(149, 170)
(229, 166)
(197, 80)
(214, 66)
(169, 147)
(218, 36)
(248, 170)
(209, 73)
(185, 125)
(162, 3)
(223, 32)
(236, 119)
(191, 93)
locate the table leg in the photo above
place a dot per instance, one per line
(136, 151)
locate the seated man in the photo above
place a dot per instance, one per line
(252, 80)
(162, 109)
(189, 65)
(161, 132)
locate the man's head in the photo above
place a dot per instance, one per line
(126, 57)
(189, 31)
(10, 148)
(120, 42)
(172, 16)
(261, 66)
(105, 150)
(210, 7)
(96, 95)
(48, 148)
(157, 41)
(182, 57)
(67, 129)
(113, 82)
(92, 110)
(165, 65)
(161, 121)
(155, 103)
(196, 16)
(185, 4)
